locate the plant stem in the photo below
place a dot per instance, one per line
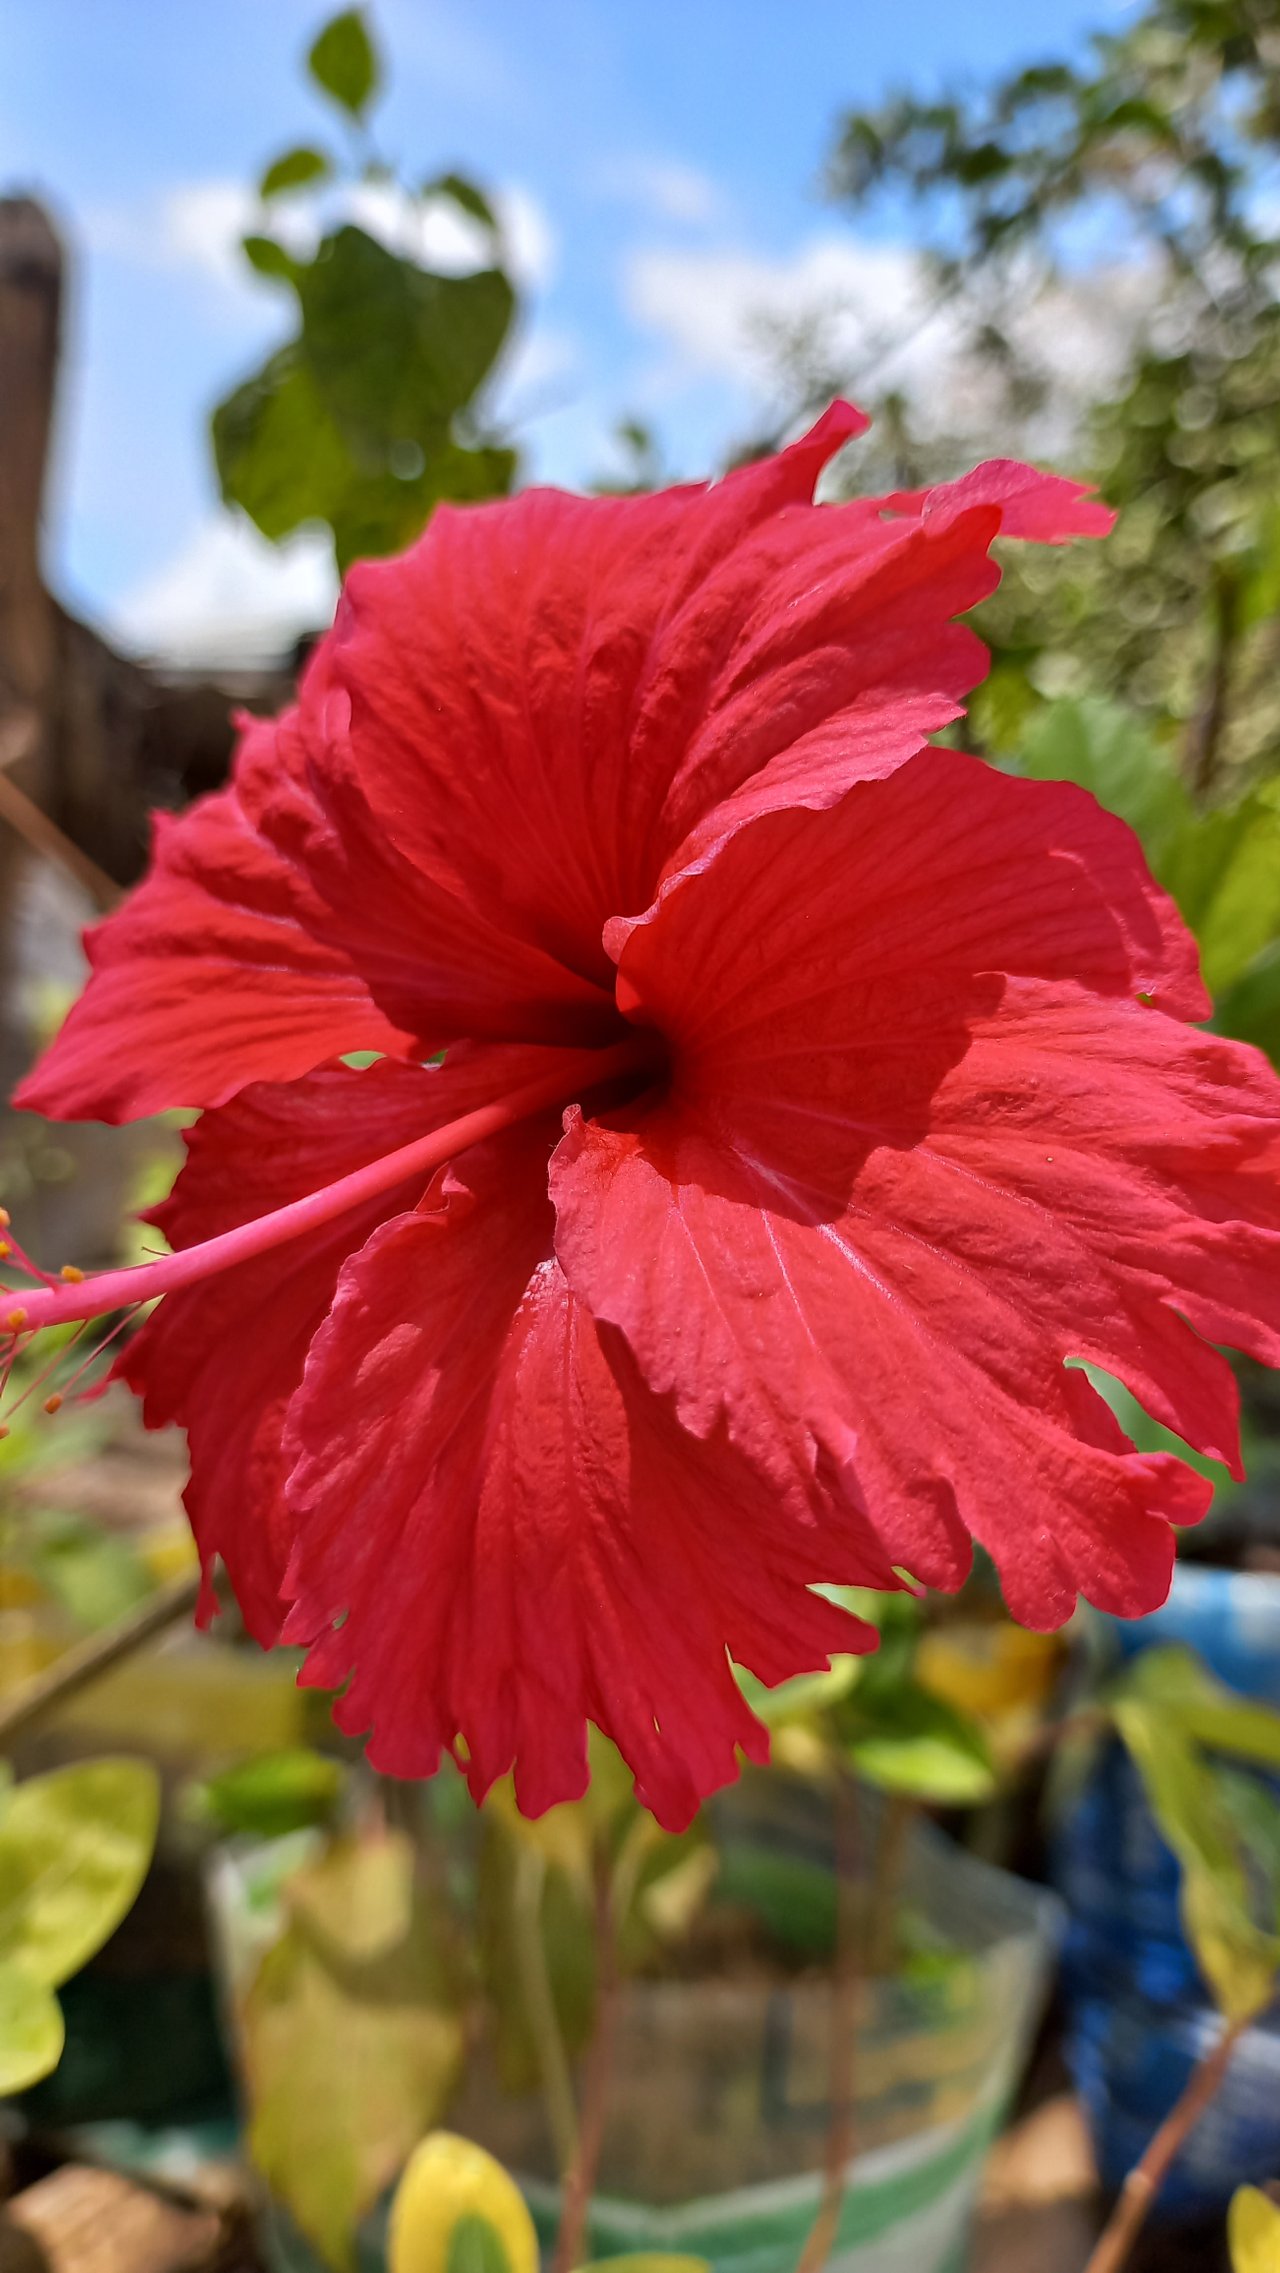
(886, 1880)
(77, 1667)
(844, 2020)
(142, 1282)
(540, 2007)
(1148, 2175)
(596, 2072)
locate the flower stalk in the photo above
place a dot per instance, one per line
(54, 1304)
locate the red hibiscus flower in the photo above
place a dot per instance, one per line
(813, 1099)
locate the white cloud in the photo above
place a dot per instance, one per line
(666, 189)
(228, 597)
(870, 310)
(196, 226)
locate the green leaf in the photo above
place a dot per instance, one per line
(96, 1576)
(1175, 1680)
(561, 1921)
(279, 455)
(281, 1792)
(475, 2246)
(294, 169)
(352, 423)
(269, 258)
(396, 350)
(1237, 1951)
(910, 1741)
(344, 62)
(1224, 873)
(351, 2041)
(456, 2210)
(31, 2031)
(1105, 750)
(74, 1850)
(464, 194)
(806, 1693)
(648, 2261)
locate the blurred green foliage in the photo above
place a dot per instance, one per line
(371, 412)
(1198, 1749)
(1163, 141)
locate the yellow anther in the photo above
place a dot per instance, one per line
(5, 1248)
(53, 1404)
(4, 1218)
(16, 1320)
(72, 1275)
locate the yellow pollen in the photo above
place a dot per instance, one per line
(72, 1275)
(5, 1248)
(53, 1404)
(16, 1320)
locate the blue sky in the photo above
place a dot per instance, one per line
(661, 168)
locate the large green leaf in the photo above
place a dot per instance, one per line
(396, 350)
(1105, 750)
(344, 61)
(31, 2032)
(352, 2044)
(1224, 873)
(74, 1849)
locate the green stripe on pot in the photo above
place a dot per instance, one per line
(751, 2231)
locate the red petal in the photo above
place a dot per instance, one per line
(209, 977)
(1045, 507)
(549, 699)
(501, 1535)
(849, 1234)
(223, 1358)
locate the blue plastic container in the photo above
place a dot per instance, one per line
(1138, 2018)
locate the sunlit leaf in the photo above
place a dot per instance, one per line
(913, 1743)
(351, 2041)
(74, 1849)
(807, 1693)
(1177, 1681)
(344, 62)
(647, 2261)
(31, 2032)
(1253, 2232)
(455, 2210)
(1237, 1951)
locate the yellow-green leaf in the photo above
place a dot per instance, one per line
(451, 2184)
(647, 2261)
(351, 2043)
(74, 1850)
(1253, 2231)
(30, 2029)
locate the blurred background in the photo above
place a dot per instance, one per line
(272, 285)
